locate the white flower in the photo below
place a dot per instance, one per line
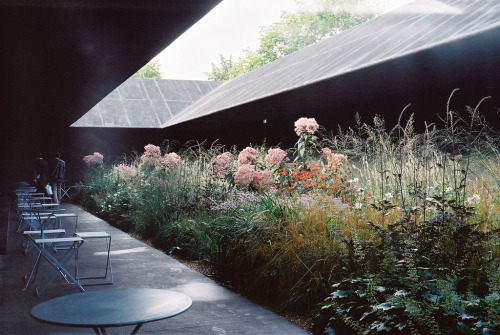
(353, 181)
(449, 189)
(388, 196)
(474, 199)
(358, 205)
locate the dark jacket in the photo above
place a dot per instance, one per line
(41, 171)
(58, 169)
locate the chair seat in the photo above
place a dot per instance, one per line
(95, 234)
(58, 240)
(46, 231)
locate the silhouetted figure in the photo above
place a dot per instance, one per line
(58, 169)
(41, 173)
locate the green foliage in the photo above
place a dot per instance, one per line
(433, 271)
(426, 262)
(431, 279)
(225, 71)
(296, 31)
(150, 70)
(313, 23)
(115, 206)
(229, 69)
(168, 194)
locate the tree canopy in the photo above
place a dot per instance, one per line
(314, 21)
(150, 70)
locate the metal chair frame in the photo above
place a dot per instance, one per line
(109, 268)
(58, 266)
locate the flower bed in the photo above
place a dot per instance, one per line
(372, 230)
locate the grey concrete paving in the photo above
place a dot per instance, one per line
(215, 310)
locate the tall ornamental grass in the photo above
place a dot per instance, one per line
(372, 229)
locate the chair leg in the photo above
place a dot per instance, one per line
(109, 268)
(59, 267)
(34, 270)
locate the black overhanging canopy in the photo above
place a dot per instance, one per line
(61, 57)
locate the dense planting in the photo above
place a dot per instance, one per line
(372, 230)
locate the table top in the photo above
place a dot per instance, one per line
(112, 307)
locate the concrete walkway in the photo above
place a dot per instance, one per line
(215, 310)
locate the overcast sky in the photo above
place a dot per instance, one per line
(228, 29)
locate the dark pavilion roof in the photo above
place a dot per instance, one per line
(410, 30)
(145, 103)
(60, 58)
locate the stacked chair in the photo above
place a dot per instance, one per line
(40, 223)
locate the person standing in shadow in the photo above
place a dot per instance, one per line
(58, 169)
(41, 173)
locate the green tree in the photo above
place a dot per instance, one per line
(315, 21)
(150, 70)
(223, 71)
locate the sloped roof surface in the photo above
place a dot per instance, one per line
(418, 26)
(145, 103)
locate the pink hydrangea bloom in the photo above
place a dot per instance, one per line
(275, 156)
(172, 160)
(96, 158)
(306, 125)
(244, 175)
(263, 179)
(221, 164)
(151, 155)
(152, 150)
(247, 156)
(334, 159)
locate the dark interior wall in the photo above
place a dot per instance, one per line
(59, 62)
(424, 79)
(60, 58)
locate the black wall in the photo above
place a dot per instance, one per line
(38, 117)
(60, 58)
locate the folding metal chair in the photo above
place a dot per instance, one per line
(70, 245)
(107, 238)
(30, 218)
(57, 266)
(65, 190)
(37, 234)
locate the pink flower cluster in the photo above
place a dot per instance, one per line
(221, 164)
(244, 175)
(152, 150)
(151, 155)
(263, 180)
(96, 158)
(306, 125)
(333, 159)
(247, 156)
(275, 156)
(172, 160)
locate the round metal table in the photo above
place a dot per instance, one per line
(112, 308)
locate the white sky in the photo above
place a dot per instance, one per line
(229, 29)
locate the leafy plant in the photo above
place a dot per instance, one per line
(433, 272)
(287, 231)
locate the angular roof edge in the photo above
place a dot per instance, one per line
(145, 103)
(408, 30)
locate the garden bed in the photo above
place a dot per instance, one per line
(369, 230)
